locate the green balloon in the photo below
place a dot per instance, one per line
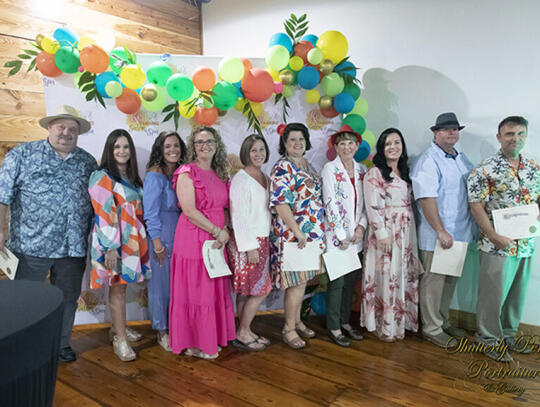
(288, 91)
(353, 89)
(277, 57)
(158, 103)
(158, 73)
(179, 87)
(332, 84)
(114, 63)
(67, 59)
(225, 95)
(356, 122)
(113, 89)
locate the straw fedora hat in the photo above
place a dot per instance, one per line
(67, 112)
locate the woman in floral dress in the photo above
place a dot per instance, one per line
(296, 203)
(392, 268)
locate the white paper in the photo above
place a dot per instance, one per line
(449, 261)
(340, 262)
(214, 261)
(8, 263)
(519, 222)
(306, 259)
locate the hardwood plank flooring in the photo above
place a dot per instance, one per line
(412, 372)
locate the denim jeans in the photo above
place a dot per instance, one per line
(66, 274)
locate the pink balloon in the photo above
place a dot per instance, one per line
(331, 154)
(278, 87)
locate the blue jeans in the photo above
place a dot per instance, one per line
(66, 274)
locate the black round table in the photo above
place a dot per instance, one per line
(30, 326)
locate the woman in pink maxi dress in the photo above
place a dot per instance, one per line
(201, 315)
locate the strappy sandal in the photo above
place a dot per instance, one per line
(262, 339)
(305, 332)
(237, 343)
(295, 343)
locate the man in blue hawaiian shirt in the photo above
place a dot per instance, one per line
(505, 180)
(45, 185)
(440, 188)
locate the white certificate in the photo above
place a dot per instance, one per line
(8, 263)
(449, 261)
(519, 222)
(306, 259)
(214, 261)
(340, 262)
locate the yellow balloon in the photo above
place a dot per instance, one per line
(132, 76)
(312, 96)
(49, 45)
(257, 108)
(368, 163)
(333, 45)
(273, 73)
(360, 107)
(296, 63)
(183, 109)
(240, 103)
(85, 41)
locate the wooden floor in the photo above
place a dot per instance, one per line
(370, 373)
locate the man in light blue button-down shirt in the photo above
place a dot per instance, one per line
(439, 179)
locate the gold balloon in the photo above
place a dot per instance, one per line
(149, 92)
(39, 38)
(286, 77)
(326, 66)
(325, 102)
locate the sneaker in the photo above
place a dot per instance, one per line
(523, 345)
(455, 332)
(163, 341)
(441, 339)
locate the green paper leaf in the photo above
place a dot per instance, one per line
(168, 108)
(10, 64)
(293, 17)
(302, 18)
(100, 100)
(168, 117)
(303, 25)
(30, 52)
(32, 66)
(88, 87)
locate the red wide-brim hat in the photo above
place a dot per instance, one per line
(345, 129)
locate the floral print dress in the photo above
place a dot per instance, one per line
(390, 280)
(302, 191)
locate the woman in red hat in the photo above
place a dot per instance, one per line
(345, 223)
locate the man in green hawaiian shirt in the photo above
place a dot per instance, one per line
(504, 180)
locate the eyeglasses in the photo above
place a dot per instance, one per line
(201, 142)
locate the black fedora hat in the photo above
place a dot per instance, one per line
(445, 121)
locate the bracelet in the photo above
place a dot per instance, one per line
(161, 251)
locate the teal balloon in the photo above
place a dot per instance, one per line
(225, 95)
(65, 36)
(67, 59)
(332, 84)
(363, 151)
(281, 39)
(353, 89)
(346, 68)
(179, 87)
(158, 103)
(311, 38)
(102, 80)
(343, 102)
(158, 73)
(356, 122)
(308, 77)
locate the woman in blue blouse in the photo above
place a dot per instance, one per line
(161, 214)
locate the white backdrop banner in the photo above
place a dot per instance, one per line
(144, 126)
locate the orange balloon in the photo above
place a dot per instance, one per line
(128, 102)
(206, 117)
(45, 64)
(257, 85)
(94, 58)
(302, 48)
(247, 65)
(204, 78)
(329, 112)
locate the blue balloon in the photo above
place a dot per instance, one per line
(308, 78)
(344, 102)
(341, 69)
(238, 86)
(363, 151)
(318, 303)
(281, 39)
(311, 38)
(102, 80)
(65, 36)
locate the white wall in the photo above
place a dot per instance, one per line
(480, 59)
